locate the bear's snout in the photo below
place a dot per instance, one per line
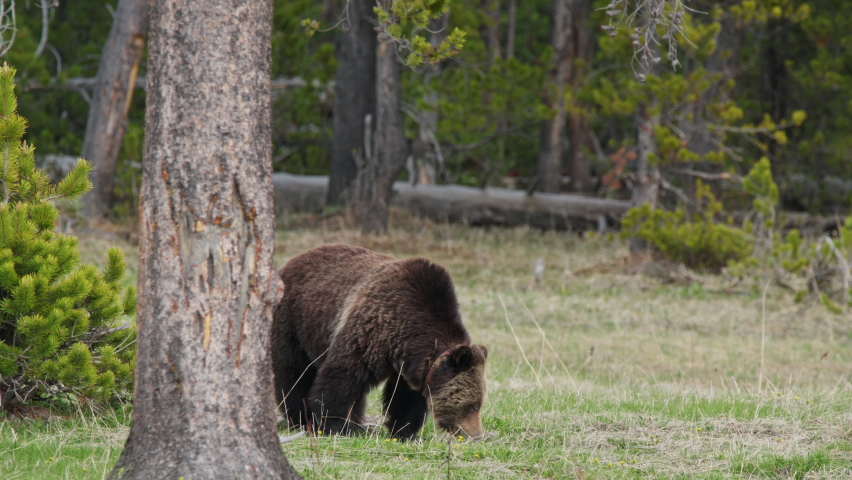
(470, 425)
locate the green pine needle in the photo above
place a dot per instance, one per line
(115, 268)
(76, 183)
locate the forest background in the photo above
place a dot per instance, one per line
(754, 78)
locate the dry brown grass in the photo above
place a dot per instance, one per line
(611, 326)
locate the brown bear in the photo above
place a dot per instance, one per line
(351, 319)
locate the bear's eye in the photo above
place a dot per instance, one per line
(474, 409)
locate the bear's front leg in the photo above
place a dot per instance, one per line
(337, 400)
(405, 408)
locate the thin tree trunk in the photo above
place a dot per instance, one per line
(648, 177)
(203, 405)
(553, 129)
(376, 177)
(492, 29)
(774, 91)
(116, 79)
(722, 66)
(511, 26)
(578, 126)
(426, 154)
(354, 97)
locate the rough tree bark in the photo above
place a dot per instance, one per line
(203, 405)
(379, 170)
(110, 102)
(354, 97)
(549, 174)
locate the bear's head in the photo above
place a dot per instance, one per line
(455, 389)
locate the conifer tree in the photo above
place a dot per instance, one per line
(59, 319)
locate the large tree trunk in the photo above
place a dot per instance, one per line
(549, 173)
(354, 97)
(379, 170)
(203, 405)
(110, 102)
(578, 126)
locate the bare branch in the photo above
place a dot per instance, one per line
(668, 14)
(707, 175)
(7, 26)
(683, 197)
(45, 5)
(746, 130)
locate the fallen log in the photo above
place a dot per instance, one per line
(467, 205)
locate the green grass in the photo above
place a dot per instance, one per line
(592, 373)
(81, 446)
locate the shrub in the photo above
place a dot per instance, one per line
(59, 330)
(698, 241)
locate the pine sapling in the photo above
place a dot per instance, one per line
(64, 326)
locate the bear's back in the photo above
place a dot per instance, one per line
(317, 283)
(332, 286)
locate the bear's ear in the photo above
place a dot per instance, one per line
(465, 357)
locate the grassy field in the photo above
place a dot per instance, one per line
(594, 372)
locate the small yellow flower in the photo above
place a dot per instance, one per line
(698, 429)
(609, 464)
(394, 440)
(406, 459)
(778, 394)
(796, 399)
(456, 446)
(319, 432)
(621, 462)
(52, 458)
(387, 440)
(476, 455)
(596, 460)
(461, 438)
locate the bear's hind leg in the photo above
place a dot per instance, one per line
(338, 399)
(294, 377)
(405, 409)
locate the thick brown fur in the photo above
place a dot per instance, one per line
(351, 319)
